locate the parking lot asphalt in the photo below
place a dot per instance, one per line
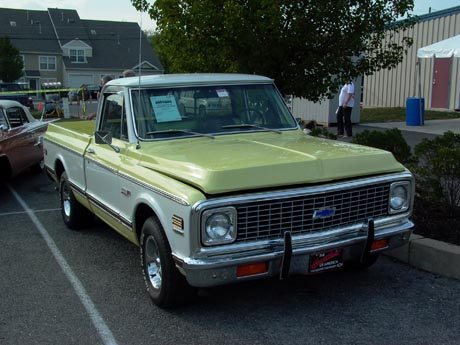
(390, 303)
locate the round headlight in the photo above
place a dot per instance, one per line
(398, 197)
(218, 226)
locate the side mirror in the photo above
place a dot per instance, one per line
(103, 137)
(3, 128)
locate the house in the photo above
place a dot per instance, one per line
(57, 46)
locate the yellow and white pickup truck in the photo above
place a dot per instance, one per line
(228, 195)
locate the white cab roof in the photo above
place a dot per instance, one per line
(191, 79)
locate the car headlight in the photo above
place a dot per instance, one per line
(399, 200)
(219, 226)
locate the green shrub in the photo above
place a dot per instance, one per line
(390, 140)
(323, 133)
(437, 170)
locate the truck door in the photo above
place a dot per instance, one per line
(102, 161)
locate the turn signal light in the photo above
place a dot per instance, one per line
(379, 244)
(251, 269)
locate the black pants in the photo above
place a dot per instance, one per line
(344, 120)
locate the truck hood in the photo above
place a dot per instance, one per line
(236, 162)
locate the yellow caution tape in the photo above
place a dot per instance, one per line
(39, 91)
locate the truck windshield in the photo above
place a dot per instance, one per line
(209, 110)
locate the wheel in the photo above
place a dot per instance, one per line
(75, 215)
(357, 265)
(165, 284)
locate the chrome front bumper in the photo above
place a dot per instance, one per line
(211, 268)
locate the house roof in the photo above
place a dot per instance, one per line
(68, 25)
(115, 45)
(29, 31)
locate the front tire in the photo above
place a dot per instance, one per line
(75, 215)
(165, 284)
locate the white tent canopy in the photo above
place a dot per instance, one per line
(442, 49)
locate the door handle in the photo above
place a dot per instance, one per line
(90, 150)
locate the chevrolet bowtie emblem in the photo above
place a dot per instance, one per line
(324, 213)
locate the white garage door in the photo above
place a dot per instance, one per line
(76, 80)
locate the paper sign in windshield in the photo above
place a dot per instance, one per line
(165, 108)
(222, 93)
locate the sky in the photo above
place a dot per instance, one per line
(123, 10)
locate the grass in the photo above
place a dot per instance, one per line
(399, 114)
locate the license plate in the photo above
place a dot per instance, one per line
(325, 261)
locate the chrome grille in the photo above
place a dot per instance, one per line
(270, 219)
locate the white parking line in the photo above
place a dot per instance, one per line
(104, 332)
(34, 211)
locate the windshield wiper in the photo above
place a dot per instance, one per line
(181, 131)
(248, 125)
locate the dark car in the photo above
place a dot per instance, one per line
(15, 92)
(20, 139)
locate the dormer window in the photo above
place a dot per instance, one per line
(77, 55)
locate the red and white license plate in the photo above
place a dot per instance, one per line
(325, 261)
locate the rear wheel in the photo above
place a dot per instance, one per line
(75, 215)
(165, 284)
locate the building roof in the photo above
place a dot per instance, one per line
(442, 13)
(115, 45)
(68, 25)
(29, 31)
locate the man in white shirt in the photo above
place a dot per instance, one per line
(346, 103)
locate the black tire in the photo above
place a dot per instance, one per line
(75, 215)
(166, 286)
(360, 266)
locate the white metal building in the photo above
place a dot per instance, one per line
(440, 82)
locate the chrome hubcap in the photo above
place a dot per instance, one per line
(153, 263)
(66, 199)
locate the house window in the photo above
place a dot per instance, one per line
(77, 55)
(48, 63)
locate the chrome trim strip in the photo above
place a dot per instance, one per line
(110, 212)
(102, 206)
(291, 193)
(154, 189)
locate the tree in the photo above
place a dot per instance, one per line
(309, 47)
(10, 61)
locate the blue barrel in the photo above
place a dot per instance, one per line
(415, 111)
